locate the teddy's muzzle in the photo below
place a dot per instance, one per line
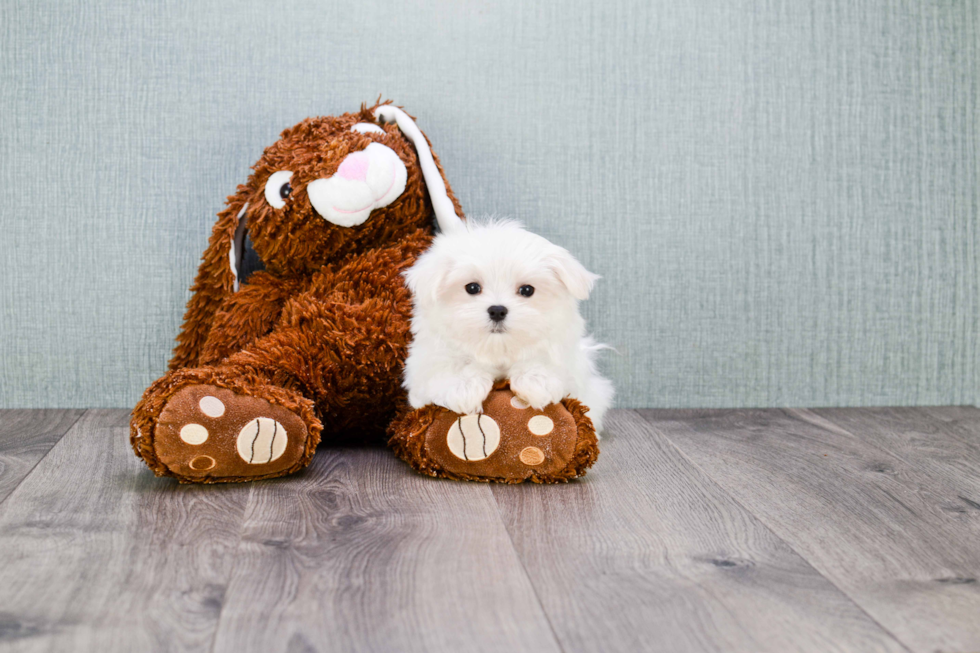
(366, 180)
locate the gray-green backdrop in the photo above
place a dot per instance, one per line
(781, 195)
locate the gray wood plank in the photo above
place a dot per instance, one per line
(360, 553)
(25, 437)
(883, 502)
(648, 554)
(99, 555)
(942, 444)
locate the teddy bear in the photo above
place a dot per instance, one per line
(297, 328)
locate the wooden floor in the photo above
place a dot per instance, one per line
(767, 530)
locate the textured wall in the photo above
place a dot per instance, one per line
(782, 196)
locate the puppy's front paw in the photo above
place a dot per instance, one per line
(464, 394)
(538, 389)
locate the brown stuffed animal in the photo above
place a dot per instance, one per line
(298, 324)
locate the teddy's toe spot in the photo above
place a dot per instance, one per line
(518, 403)
(532, 456)
(473, 437)
(194, 434)
(211, 406)
(540, 425)
(202, 463)
(261, 441)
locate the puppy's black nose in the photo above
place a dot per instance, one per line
(497, 313)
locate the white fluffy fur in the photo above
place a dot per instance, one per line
(458, 352)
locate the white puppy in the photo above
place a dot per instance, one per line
(493, 301)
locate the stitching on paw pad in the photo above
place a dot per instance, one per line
(202, 463)
(473, 437)
(261, 441)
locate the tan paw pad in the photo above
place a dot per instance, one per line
(202, 463)
(540, 425)
(211, 406)
(473, 437)
(261, 441)
(194, 434)
(531, 456)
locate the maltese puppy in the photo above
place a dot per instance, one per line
(493, 301)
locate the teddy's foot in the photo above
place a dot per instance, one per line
(508, 443)
(208, 434)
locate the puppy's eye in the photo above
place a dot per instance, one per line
(278, 188)
(473, 288)
(525, 290)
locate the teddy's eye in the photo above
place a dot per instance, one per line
(278, 188)
(525, 290)
(473, 288)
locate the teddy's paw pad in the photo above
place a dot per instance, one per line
(210, 432)
(194, 434)
(473, 437)
(211, 406)
(509, 441)
(540, 425)
(531, 456)
(261, 441)
(203, 463)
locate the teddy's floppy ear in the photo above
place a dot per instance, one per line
(444, 204)
(571, 273)
(216, 280)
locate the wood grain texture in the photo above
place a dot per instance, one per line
(360, 553)
(823, 530)
(25, 437)
(648, 554)
(883, 502)
(99, 555)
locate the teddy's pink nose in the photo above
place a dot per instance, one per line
(354, 167)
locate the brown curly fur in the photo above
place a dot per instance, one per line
(324, 330)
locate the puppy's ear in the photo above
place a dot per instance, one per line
(426, 276)
(571, 273)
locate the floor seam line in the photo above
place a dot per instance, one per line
(775, 534)
(47, 453)
(231, 572)
(520, 561)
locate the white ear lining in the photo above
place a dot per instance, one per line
(367, 128)
(443, 206)
(232, 258)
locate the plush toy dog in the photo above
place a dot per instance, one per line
(298, 324)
